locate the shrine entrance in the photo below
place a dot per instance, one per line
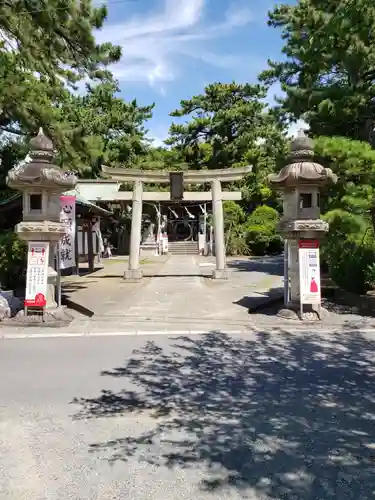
(182, 228)
(183, 221)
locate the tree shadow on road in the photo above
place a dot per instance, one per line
(287, 416)
(268, 265)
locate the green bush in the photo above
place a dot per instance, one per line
(235, 243)
(350, 268)
(234, 217)
(260, 232)
(348, 251)
(276, 245)
(13, 255)
(370, 276)
(264, 216)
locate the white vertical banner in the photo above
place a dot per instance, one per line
(67, 255)
(309, 272)
(37, 274)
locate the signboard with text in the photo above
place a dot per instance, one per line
(309, 271)
(67, 255)
(37, 274)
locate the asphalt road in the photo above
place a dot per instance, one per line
(267, 416)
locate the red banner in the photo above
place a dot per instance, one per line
(308, 244)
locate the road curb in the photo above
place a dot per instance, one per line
(124, 333)
(132, 333)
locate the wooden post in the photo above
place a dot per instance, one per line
(76, 252)
(58, 278)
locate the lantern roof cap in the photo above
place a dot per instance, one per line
(301, 169)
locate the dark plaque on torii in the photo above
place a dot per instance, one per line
(176, 185)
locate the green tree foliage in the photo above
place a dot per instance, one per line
(46, 45)
(230, 126)
(47, 48)
(105, 129)
(328, 76)
(349, 248)
(354, 164)
(253, 234)
(227, 122)
(162, 158)
(12, 151)
(234, 220)
(260, 231)
(12, 261)
(328, 72)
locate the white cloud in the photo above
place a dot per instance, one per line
(154, 45)
(158, 134)
(238, 16)
(294, 128)
(157, 142)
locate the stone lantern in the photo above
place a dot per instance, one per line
(300, 182)
(41, 184)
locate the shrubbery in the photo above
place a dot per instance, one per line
(349, 251)
(234, 219)
(260, 232)
(13, 253)
(254, 234)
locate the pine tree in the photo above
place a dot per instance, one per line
(329, 71)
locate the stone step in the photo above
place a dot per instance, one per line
(183, 248)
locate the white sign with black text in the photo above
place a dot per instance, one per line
(309, 272)
(67, 243)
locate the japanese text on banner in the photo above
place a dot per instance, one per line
(67, 243)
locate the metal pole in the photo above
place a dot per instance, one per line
(76, 248)
(205, 228)
(159, 228)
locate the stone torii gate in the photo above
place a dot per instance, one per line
(214, 177)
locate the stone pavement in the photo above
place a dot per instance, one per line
(177, 293)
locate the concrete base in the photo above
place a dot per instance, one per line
(133, 274)
(310, 313)
(53, 317)
(220, 274)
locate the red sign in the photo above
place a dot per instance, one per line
(308, 243)
(39, 301)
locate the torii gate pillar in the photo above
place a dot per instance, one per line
(134, 273)
(221, 272)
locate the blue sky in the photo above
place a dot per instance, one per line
(173, 48)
